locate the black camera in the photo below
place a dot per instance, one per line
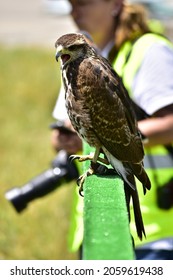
(62, 170)
(165, 195)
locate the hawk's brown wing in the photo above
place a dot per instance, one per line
(110, 110)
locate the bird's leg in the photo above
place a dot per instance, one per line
(94, 157)
(81, 179)
(95, 167)
(82, 157)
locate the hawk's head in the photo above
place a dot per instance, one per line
(72, 46)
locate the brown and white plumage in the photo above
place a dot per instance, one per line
(101, 112)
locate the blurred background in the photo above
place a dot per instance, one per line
(29, 84)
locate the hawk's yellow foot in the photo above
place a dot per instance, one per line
(95, 168)
(81, 179)
(90, 157)
(82, 157)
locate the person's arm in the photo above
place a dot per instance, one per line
(153, 91)
(159, 128)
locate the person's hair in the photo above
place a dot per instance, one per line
(132, 23)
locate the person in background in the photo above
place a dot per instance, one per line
(88, 16)
(145, 63)
(144, 60)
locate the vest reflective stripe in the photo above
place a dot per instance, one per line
(158, 161)
(120, 61)
(137, 52)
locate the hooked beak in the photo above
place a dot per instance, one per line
(58, 52)
(57, 56)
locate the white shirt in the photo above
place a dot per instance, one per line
(153, 84)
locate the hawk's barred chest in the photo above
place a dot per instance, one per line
(77, 81)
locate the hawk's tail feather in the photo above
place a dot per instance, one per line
(129, 192)
(137, 214)
(142, 176)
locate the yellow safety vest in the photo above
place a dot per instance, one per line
(158, 162)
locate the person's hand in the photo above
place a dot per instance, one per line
(70, 142)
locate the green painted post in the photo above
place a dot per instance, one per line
(106, 226)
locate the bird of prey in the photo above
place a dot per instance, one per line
(101, 112)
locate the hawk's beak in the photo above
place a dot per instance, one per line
(58, 52)
(57, 56)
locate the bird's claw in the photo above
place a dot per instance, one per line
(80, 182)
(95, 168)
(81, 157)
(73, 157)
(81, 179)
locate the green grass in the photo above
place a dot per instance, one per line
(29, 83)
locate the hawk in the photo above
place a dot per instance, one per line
(101, 112)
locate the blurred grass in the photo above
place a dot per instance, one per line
(29, 83)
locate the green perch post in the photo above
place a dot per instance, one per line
(106, 225)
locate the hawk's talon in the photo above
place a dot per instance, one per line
(73, 157)
(81, 192)
(81, 157)
(95, 168)
(80, 181)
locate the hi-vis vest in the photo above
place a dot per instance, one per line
(157, 162)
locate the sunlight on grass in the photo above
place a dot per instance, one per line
(29, 84)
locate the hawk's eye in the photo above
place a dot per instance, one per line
(72, 48)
